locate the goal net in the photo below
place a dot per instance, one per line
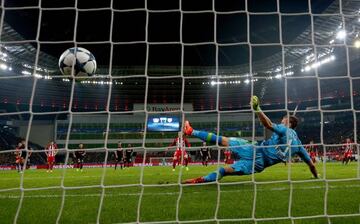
(160, 63)
(162, 161)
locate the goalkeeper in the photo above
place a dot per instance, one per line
(267, 153)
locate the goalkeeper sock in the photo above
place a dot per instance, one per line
(207, 136)
(212, 176)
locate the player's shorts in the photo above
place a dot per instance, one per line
(245, 151)
(128, 159)
(19, 159)
(119, 158)
(51, 159)
(205, 156)
(178, 153)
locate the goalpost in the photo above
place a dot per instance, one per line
(216, 80)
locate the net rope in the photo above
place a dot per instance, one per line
(145, 149)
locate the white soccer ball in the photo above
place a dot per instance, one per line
(82, 60)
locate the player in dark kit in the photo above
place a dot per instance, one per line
(79, 156)
(28, 163)
(20, 156)
(128, 156)
(119, 156)
(205, 154)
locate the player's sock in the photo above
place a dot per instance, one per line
(206, 136)
(186, 162)
(116, 165)
(174, 164)
(212, 176)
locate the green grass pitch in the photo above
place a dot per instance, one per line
(196, 202)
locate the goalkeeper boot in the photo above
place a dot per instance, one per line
(194, 181)
(187, 128)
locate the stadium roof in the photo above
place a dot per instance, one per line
(56, 34)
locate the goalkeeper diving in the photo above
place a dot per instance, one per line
(280, 147)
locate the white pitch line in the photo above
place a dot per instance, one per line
(171, 193)
(50, 177)
(71, 177)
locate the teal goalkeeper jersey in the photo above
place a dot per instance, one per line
(278, 149)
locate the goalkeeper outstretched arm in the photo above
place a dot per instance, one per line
(312, 169)
(255, 103)
(305, 157)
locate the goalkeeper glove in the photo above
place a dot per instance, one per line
(255, 103)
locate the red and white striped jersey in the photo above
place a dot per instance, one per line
(227, 154)
(180, 143)
(348, 147)
(51, 150)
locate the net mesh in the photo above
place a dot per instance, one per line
(218, 80)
